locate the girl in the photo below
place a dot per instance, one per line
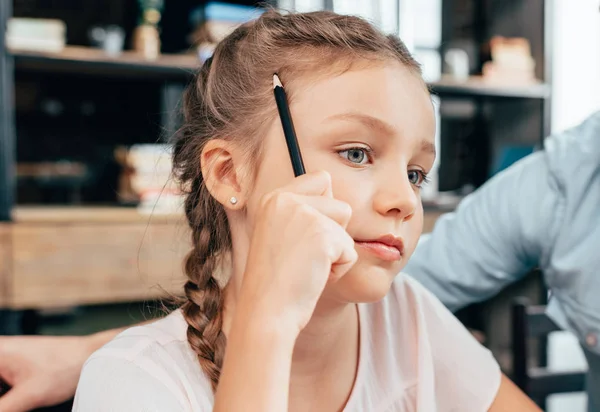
(310, 316)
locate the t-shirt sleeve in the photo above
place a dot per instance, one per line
(466, 374)
(120, 385)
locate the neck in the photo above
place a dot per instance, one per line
(328, 339)
(325, 359)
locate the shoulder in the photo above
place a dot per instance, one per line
(408, 292)
(407, 303)
(451, 362)
(427, 314)
(149, 363)
(576, 147)
(584, 135)
(166, 335)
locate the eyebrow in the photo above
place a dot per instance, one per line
(367, 121)
(428, 147)
(380, 126)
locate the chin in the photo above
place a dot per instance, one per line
(365, 282)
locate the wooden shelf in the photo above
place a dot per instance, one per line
(90, 61)
(70, 256)
(78, 214)
(477, 86)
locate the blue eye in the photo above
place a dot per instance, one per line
(355, 155)
(417, 177)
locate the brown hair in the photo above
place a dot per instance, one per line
(231, 97)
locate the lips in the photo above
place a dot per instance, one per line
(388, 247)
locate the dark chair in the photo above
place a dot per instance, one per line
(63, 407)
(530, 322)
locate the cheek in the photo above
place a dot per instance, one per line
(414, 228)
(355, 189)
(273, 173)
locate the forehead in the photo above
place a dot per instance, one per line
(389, 92)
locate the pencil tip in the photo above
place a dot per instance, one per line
(276, 81)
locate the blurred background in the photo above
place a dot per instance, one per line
(91, 234)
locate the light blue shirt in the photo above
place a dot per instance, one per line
(543, 211)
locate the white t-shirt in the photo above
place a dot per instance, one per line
(414, 356)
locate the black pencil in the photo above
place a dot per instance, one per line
(288, 127)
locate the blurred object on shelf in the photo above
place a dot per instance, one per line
(146, 178)
(480, 86)
(52, 170)
(110, 38)
(511, 62)
(125, 192)
(146, 41)
(214, 21)
(32, 34)
(146, 37)
(457, 64)
(445, 202)
(99, 62)
(52, 182)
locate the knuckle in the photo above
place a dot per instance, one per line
(323, 177)
(305, 211)
(317, 232)
(276, 200)
(352, 251)
(266, 200)
(346, 210)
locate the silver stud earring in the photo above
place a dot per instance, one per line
(233, 200)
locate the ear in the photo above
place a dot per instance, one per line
(224, 172)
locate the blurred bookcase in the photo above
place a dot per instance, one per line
(67, 241)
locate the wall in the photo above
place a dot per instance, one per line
(576, 88)
(576, 62)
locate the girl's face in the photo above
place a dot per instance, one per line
(373, 130)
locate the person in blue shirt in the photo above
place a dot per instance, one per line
(542, 211)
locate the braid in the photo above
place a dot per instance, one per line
(207, 220)
(203, 308)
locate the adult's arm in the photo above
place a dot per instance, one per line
(44, 370)
(493, 238)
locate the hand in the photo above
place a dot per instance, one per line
(42, 371)
(298, 244)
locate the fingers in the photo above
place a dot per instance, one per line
(314, 183)
(345, 261)
(342, 251)
(19, 399)
(338, 211)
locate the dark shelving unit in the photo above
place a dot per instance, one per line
(529, 105)
(476, 87)
(84, 61)
(7, 122)
(498, 117)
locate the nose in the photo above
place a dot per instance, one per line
(397, 197)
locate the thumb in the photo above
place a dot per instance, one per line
(346, 260)
(21, 398)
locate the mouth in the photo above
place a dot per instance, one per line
(389, 248)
